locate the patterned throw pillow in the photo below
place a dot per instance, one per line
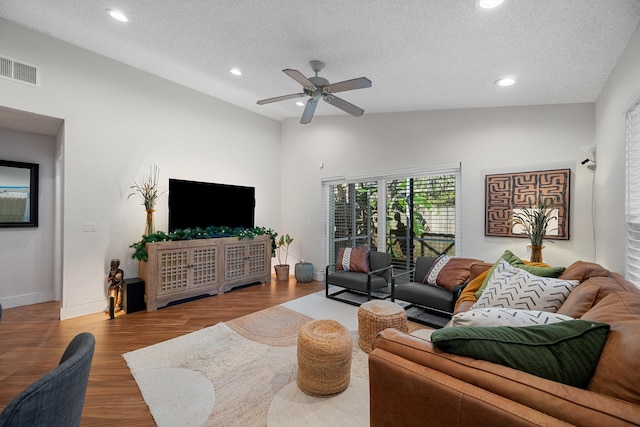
(494, 316)
(511, 287)
(448, 272)
(537, 268)
(353, 259)
(438, 265)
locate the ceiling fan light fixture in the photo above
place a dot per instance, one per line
(488, 4)
(317, 88)
(235, 72)
(505, 82)
(117, 15)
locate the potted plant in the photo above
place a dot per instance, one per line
(282, 269)
(534, 222)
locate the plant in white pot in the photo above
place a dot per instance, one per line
(282, 269)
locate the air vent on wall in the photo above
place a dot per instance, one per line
(19, 71)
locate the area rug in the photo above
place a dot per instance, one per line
(243, 372)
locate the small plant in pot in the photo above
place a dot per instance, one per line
(282, 269)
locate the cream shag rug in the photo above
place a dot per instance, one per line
(243, 372)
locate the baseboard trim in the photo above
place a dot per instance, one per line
(82, 310)
(26, 299)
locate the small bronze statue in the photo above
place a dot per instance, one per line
(116, 284)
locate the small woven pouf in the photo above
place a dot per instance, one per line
(375, 316)
(324, 358)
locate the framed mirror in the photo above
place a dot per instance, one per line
(18, 194)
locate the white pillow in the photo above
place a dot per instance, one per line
(511, 287)
(494, 316)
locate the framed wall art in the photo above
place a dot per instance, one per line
(509, 193)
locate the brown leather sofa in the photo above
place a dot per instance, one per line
(412, 383)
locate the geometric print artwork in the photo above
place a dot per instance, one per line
(499, 316)
(509, 191)
(511, 287)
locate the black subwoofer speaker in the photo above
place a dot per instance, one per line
(133, 298)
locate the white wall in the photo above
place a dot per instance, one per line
(489, 140)
(621, 89)
(26, 254)
(118, 122)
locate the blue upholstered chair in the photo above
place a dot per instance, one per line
(57, 398)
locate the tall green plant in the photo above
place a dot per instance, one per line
(535, 221)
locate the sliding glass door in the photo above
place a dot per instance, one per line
(407, 215)
(421, 218)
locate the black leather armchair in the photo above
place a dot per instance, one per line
(56, 398)
(374, 284)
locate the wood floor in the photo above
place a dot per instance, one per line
(32, 340)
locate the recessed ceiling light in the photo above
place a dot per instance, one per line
(300, 104)
(488, 4)
(235, 72)
(116, 14)
(506, 81)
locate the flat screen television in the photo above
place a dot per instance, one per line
(203, 204)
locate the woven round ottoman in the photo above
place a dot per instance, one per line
(375, 316)
(324, 358)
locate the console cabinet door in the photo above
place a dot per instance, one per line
(256, 265)
(235, 261)
(184, 269)
(245, 260)
(204, 266)
(172, 271)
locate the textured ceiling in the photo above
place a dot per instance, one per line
(419, 54)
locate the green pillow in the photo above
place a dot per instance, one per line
(518, 263)
(566, 352)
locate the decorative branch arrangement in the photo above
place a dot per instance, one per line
(147, 188)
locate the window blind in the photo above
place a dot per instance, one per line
(632, 261)
(352, 215)
(422, 218)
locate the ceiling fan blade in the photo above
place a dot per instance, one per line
(344, 105)
(298, 76)
(309, 109)
(359, 83)
(280, 98)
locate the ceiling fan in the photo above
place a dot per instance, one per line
(318, 87)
